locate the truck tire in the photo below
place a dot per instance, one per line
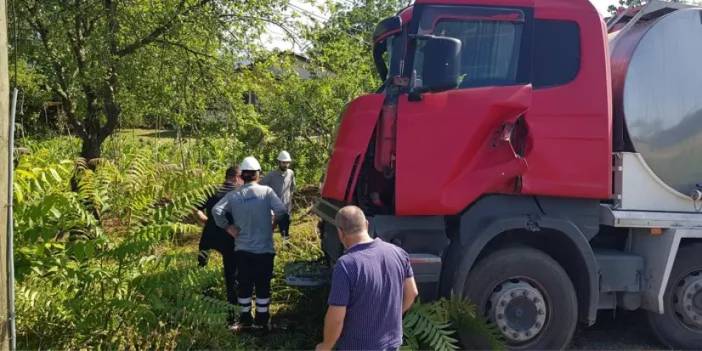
(680, 325)
(527, 296)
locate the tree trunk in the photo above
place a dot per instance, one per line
(91, 148)
(96, 132)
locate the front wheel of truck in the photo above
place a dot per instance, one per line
(680, 325)
(527, 296)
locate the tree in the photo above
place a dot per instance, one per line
(101, 57)
(621, 4)
(299, 114)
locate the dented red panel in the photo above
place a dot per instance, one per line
(385, 140)
(355, 132)
(451, 148)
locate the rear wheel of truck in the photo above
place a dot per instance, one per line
(527, 296)
(680, 325)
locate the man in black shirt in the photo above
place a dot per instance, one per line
(215, 238)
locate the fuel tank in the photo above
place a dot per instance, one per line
(657, 89)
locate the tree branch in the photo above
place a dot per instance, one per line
(287, 30)
(184, 47)
(157, 32)
(62, 90)
(111, 10)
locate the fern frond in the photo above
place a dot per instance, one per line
(182, 205)
(477, 333)
(428, 324)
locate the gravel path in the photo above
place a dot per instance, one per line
(625, 331)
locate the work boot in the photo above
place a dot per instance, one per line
(261, 321)
(245, 322)
(231, 317)
(202, 258)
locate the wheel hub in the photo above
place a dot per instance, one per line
(519, 310)
(688, 304)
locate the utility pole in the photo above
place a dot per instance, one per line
(5, 158)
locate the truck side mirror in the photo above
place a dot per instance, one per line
(442, 63)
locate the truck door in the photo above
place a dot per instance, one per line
(458, 144)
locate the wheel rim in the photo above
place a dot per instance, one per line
(688, 300)
(519, 310)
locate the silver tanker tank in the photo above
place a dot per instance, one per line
(657, 88)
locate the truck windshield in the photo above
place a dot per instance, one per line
(490, 50)
(386, 54)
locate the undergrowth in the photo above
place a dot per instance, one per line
(106, 258)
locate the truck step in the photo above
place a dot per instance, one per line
(649, 219)
(307, 274)
(426, 267)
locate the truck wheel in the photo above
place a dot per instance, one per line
(527, 296)
(680, 325)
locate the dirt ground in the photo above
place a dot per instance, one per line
(625, 331)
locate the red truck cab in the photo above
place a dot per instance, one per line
(529, 113)
(487, 155)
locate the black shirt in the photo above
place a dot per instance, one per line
(214, 237)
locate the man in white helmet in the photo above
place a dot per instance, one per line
(282, 180)
(252, 207)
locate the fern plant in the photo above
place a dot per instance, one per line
(448, 324)
(428, 326)
(95, 260)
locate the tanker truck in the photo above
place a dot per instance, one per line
(535, 160)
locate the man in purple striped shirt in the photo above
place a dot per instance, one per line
(372, 286)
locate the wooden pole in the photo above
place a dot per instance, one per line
(5, 158)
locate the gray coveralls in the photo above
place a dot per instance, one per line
(250, 208)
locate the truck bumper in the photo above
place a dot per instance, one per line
(426, 266)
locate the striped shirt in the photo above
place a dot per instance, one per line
(369, 281)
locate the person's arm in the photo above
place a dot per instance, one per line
(339, 297)
(410, 293)
(201, 216)
(280, 211)
(292, 184)
(333, 325)
(200, 210)
(219, 214)
(266, 180)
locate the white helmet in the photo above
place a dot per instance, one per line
(284, 156)
(250, 164)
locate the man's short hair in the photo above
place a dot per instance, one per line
(232, 172)
(351, 220)
(249, 176)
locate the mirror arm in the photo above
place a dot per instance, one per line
(421, 36)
